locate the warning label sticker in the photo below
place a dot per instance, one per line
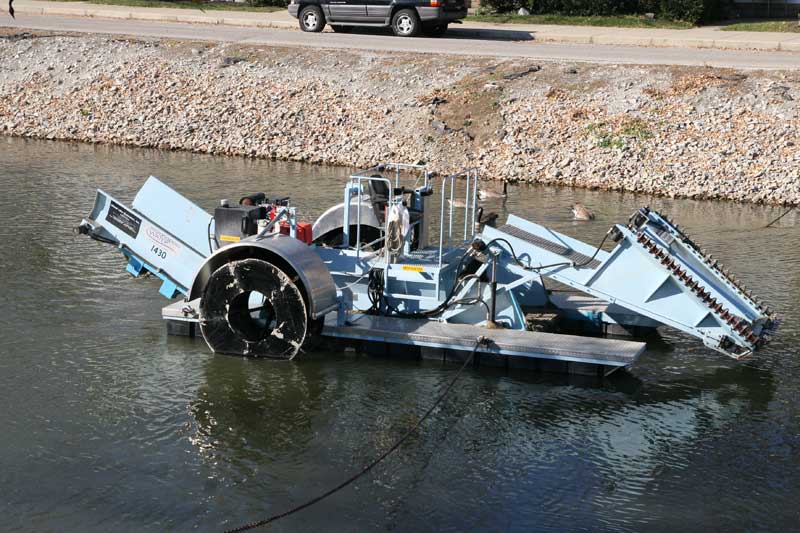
(123, 219)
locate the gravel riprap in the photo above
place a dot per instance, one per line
(676, 131)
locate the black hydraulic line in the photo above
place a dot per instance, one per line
(375, 289)
(473, 301)
(480, 341)
(597, 251)
(780, 217)
(99, 238)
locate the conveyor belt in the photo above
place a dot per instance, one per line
(550, 246)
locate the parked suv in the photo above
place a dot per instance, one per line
(407, 18)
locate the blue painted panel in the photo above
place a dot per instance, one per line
(148, 245)
(170, 210)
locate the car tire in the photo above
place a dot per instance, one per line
(341, 29)
(311, 19)
(437, 30)
(405, 23)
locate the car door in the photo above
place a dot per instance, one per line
(378, 10)
(347, 10)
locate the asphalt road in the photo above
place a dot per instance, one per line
(505, 43)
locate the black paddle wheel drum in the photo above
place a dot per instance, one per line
(250, 307)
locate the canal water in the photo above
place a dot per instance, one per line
(109, 425)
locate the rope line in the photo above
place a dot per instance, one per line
(480, 341)
(780, 217)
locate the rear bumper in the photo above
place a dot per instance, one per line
(440, 14)
(293, 8)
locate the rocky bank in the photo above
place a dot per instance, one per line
(677, 131)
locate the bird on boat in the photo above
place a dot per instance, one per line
(482, 220)
(485, 194)
(581, 212)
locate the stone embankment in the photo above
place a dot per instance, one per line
(677, 131)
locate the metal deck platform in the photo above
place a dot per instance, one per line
(504, 342)
(523, 347)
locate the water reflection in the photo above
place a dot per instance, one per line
(311, 423)
(255, 410)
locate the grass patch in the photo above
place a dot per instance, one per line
(635, 128)
(632, 129)
(629, 21)
(182, 4)
(603, 137)
(790, 26)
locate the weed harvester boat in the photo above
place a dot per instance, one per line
(393, 264)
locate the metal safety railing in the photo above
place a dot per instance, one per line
(470, 198)
(355, 188)
(398, 168)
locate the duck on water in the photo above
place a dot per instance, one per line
(486, 194)
(581, 212)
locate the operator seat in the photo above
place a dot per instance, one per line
(379, 196)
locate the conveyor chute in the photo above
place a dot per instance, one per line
(654, 270)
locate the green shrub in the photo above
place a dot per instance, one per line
(503, 6)
(276, 3)
(688, 10)
(693, 11)
(582, 8)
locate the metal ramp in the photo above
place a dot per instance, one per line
(654, 271)
(505, 342)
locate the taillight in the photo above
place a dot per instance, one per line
(436, 3)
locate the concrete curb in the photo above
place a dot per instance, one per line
(537, 34)
(711, 38)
